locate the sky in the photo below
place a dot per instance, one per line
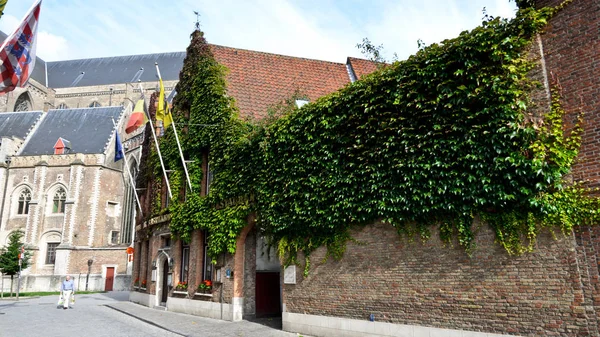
(318, 29)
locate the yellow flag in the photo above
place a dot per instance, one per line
(168, 119)
(2, 5)
(160, 110)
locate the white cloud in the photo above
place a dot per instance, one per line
(8, 23)
(321, 29)
(52, 47)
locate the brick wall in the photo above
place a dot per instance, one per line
(250, 274)
(571, 46)
(544, 293)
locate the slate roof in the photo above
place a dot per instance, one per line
(111, 70)
(257, 80)
(39, 70)
(18, 124)
(88, 129)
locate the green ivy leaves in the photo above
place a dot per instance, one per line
(433, 141)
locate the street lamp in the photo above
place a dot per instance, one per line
(87, 278)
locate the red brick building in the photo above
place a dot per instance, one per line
(248, 283)
(415, 289)
(387, 286)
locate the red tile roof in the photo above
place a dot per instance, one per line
(362, 67)
(260, 80)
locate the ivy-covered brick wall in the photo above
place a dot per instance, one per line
(542, 293)
(571, 45)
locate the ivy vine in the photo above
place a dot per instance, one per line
(427, 143)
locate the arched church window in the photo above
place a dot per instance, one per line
(62, 106)
(23, 103)
(24, 199)
(60, 197)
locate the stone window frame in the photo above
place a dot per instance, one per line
(51, 252)
(52, 236)
(23, 102)
(207, 268)
(114, 237)
(16, 196)
(52, 191)
(185, 262)
(23, 201)
(62, 106)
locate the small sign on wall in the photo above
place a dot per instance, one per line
(289, 275)
(153, 278)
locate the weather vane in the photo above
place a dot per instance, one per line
(197, 20)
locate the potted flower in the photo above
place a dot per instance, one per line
(144, 284)
(181, 286)
(205, 287)
(136, 283)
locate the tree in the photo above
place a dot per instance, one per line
(9, 256)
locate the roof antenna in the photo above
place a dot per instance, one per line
(78, 78)
(197, 20)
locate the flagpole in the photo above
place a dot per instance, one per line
(162, 165)
(130, 175)
(139, 204)
(187, 176)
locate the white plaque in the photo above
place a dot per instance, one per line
(289, 275)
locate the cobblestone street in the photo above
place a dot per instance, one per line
(111, 314)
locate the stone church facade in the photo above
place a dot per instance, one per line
(76, 205)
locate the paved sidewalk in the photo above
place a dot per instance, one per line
(112, 315)
(189, 325)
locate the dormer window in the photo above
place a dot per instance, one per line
(62, 146)
(301, 102)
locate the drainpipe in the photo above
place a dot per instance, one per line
(7, 163)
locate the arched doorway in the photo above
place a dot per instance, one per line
(165, 282)
(163, 279)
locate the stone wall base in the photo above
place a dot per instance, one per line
(344, 327)
(223, 311)
(30, 283)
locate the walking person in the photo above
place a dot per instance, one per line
(67, 289)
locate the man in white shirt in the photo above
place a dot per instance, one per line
(67, 288)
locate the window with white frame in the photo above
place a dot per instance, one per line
(185, 262)
(58, 202)
(51, 252)
(207, 270)
(23, 203)
(114, 237)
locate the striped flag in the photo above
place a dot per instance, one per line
(17, 53)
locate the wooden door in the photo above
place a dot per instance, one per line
(110, 279)
(267, 294)
(165, 282)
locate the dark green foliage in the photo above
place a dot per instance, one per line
(525, 3)
(433, 141)
(9, 255)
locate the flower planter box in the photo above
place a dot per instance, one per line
(202, 296)
(180, 292)
(143, 289)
